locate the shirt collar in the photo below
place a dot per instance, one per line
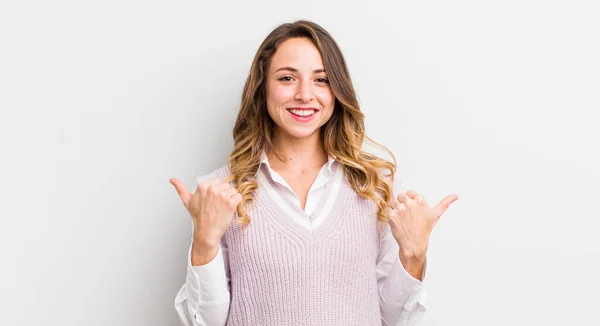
(264, 160)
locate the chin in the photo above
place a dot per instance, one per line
(300, 132)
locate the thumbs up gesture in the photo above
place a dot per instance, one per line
(411, 222)
(211, 207)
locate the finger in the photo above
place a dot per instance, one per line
(389, 212)
(210, 181)
(205, 186)
(443, 205)
(401, 207)
(412, 194)
(237, 198)
(402, 198)
(217, 188)
(234, 201)
(184, 194)
(416, 197)
(394, 204)
(229, 192)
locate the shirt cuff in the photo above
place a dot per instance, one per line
(403, 286)
(207, 284)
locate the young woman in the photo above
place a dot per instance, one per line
(302, 226)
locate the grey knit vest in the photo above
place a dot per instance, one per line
(285, 274)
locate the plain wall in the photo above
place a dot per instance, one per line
(102, 102)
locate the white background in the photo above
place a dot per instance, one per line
(102, 102)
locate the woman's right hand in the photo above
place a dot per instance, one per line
(211, 207)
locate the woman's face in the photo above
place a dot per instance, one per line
(299, 99)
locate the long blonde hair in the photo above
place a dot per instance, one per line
(342, 136)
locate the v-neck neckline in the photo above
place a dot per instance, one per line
(293, 217)
(278, 178)
(317, 182)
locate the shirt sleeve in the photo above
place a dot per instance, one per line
(401, 296)
(205, 297)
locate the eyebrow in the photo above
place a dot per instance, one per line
(296, 70)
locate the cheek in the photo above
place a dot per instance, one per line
(279, 95)
(327, 99)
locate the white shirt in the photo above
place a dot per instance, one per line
(205, 297)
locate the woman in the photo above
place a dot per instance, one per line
(302, 226)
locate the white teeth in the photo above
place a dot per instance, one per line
(303, 113)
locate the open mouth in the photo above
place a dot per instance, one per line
(303, 113)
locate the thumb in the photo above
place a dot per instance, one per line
(181, 190)
(443, 205)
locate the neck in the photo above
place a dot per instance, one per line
(297, 153)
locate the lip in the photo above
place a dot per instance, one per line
(303, 109)
(303, 119)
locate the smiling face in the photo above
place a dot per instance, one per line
(299, 98)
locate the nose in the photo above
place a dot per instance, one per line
(304, 92)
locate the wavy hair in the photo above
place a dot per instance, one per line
(342, 136)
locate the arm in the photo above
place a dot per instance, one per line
(401, 296)
(205, 297)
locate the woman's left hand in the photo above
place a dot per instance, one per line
(411, 222)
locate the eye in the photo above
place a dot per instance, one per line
(323, 80)
(285, 78)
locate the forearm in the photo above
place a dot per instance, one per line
(203, 254)
(413, 264)
(204, 247)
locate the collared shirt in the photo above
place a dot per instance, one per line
(315, 191)
(205, 297)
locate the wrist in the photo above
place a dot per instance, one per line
(413, 252)
(412, 258)
(205, 239)
(413, 264)
(203, 254)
